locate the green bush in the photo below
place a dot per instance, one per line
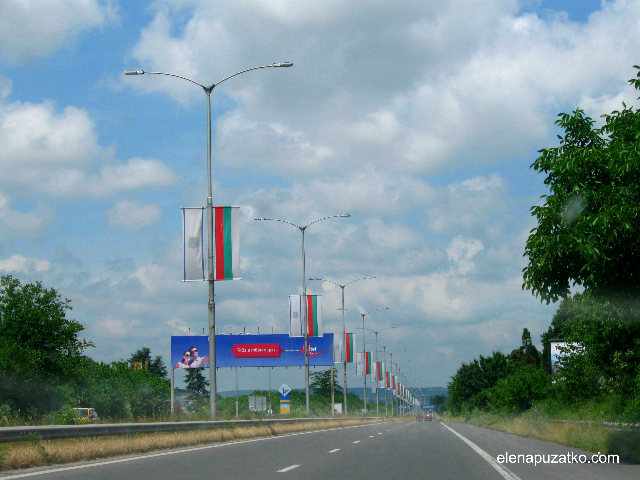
(65, 416)
(520, 390)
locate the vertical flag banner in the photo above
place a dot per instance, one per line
(337, 349)
(350, 346)
(359, 369)
(367, 363)
(381, 375)
(314, 316)
(192, 244)
(374, 371)
(227, 243)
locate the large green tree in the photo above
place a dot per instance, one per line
(40, 348)
(196, 381)
(153, 365)
(320, 383)
(588, 229)
(470, 386)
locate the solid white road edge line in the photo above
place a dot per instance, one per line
(505, 472)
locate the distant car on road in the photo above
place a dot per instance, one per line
(427, 417)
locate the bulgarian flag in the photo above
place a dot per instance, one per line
(367, 363)
(350, 346)
(314, 315)
(227, 241)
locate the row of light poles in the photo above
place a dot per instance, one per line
(210, 260)
(213, 404)
(304, 296)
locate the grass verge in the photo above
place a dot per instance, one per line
(591, 436)
(38, 452)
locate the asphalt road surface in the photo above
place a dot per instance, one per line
(415, 450)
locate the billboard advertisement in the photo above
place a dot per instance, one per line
(274, 350)
(560, 349)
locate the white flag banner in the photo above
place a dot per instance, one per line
(359, 363)
(314, 315)
(383, 381)
(374, 371)
(193, 240)
(338, 341)
(296, 328)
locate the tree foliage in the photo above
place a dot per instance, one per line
(39, 347)
(468, 388)
(320, 383)
(43, 368)
(154, 365)
(588, 229)
(196, 381)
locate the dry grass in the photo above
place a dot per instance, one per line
(39, 452)
(590, 436)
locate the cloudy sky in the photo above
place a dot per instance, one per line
(419, 118)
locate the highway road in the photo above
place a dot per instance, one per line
(413, 450)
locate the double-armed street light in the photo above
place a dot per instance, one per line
(304, 296)
(378, 373)
(364, 349)
(213, 405)
(384, 357)
(344, 357)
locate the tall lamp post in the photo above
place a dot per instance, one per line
(378, 386)
(304, 296)
(364, 349)
(384, 357)
(213, 402)
(344, 331)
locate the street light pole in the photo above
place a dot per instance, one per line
(213, 401)
(390, 370)
(344, 332)
(364, 350)
(304, 296)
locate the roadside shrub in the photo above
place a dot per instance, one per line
(520, 390)
(65, 416)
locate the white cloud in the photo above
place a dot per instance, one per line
(20, 264)
(461, 252)
(59, 154)
(35, 28)
(133, 216)
(23, 224)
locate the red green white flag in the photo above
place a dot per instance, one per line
(350, 346)
(314, 315)
(227, 243)
(367, 363)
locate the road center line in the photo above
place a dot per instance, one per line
(505, 472)
(334, 450)
(291, 467)
(357, 441)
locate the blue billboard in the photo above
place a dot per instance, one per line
(272, 350)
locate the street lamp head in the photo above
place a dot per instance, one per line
(134, 72)
(283, 64)
(344, 215)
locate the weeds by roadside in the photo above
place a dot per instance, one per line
(590, 436)
(34, 453)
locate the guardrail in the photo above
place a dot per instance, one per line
(51, 432)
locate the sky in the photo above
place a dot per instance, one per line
(420, 119)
